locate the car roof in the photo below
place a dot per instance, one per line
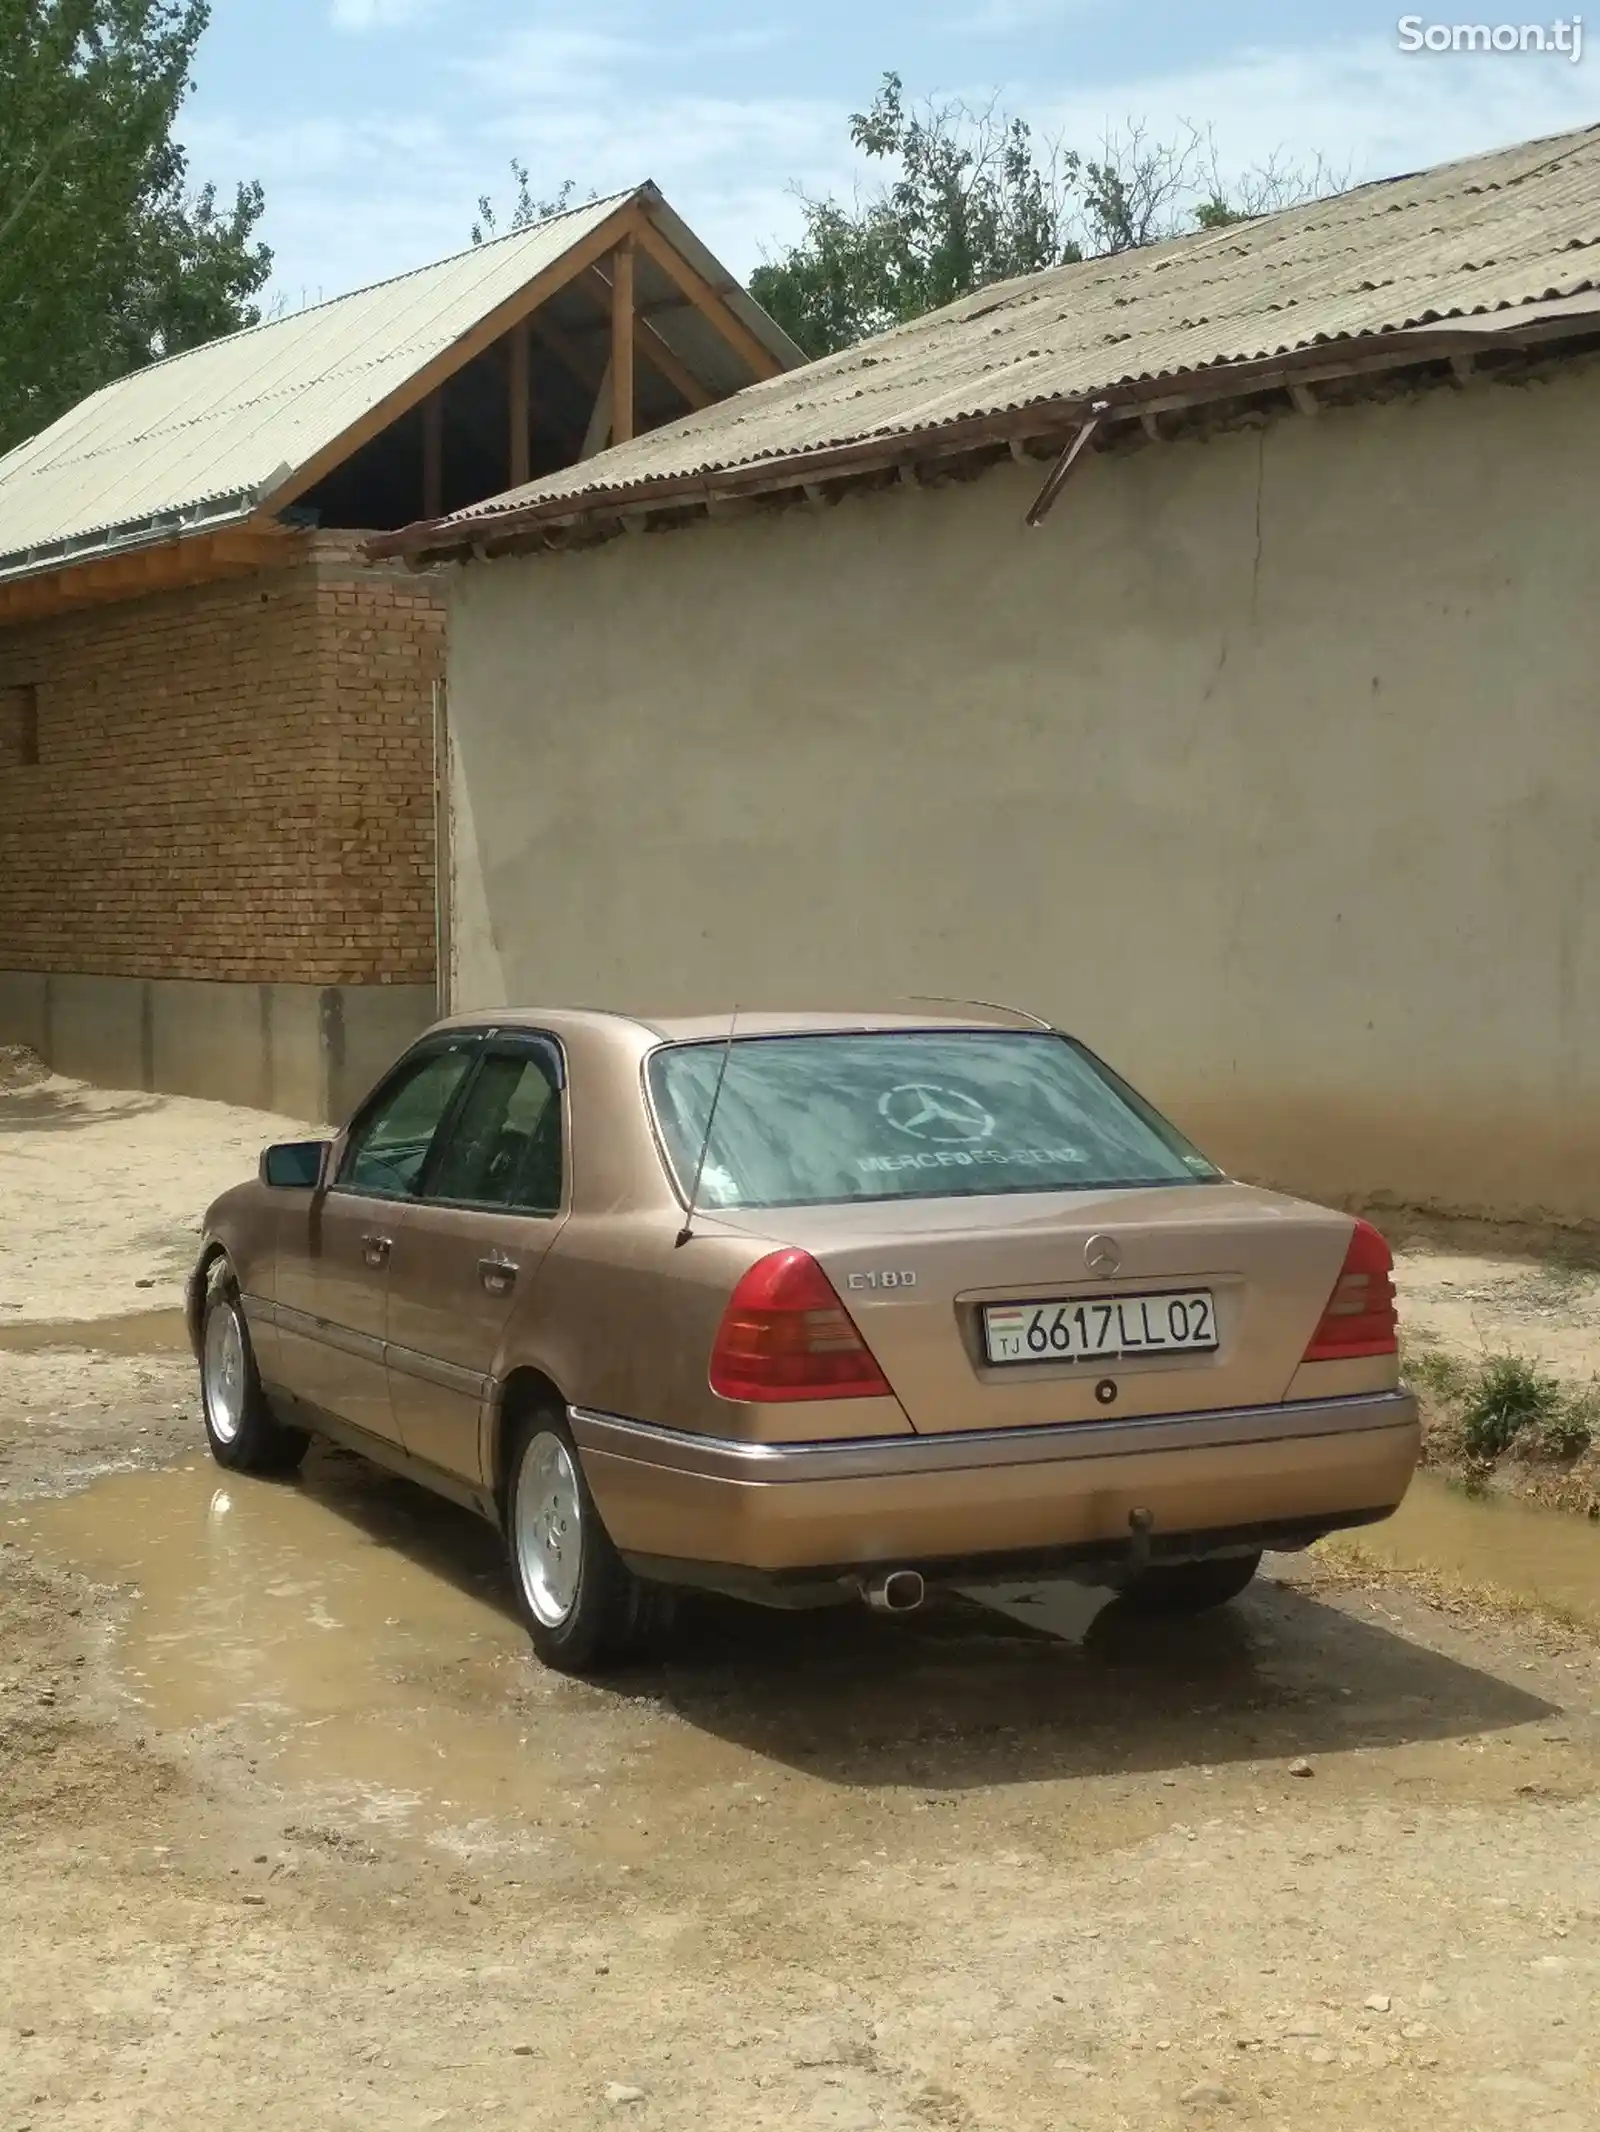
(745, 1021)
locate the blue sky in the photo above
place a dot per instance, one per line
(375, 124)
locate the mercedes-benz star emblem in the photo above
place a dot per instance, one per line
(942, 1115)
(1102, 1256)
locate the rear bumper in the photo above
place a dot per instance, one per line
(1057, 1493)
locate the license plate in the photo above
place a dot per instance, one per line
(1118, 1326)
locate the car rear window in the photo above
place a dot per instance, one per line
(813, 1120)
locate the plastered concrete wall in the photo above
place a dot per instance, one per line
(1270, 764)
(310, 1051)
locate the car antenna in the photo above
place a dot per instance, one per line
(994, 1006)
(687, 1230)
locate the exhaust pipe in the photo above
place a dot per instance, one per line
(894, 1591)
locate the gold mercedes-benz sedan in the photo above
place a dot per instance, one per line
(808, 1308)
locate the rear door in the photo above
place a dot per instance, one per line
(333, 1274)
(489, 1204)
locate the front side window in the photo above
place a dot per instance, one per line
(503, 1148)
(813, 1120)
(389, 1143)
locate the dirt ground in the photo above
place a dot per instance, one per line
(104, 1190)
(295, 1832)
(1474, 1303)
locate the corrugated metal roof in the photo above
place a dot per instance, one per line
(205, 434)
(1496, 232)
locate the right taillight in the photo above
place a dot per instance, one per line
(1360, 1317)
(786, 1335)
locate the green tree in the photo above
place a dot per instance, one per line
(972, 202)
(975, 199)
(109, 258)
(524, 210)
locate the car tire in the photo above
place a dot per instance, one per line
(582, 1606)
(244, 1434)
(1178, 1588)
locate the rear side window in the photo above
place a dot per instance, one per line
(503, 1148)
(813, 1120)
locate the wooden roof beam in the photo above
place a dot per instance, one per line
(655, 350)
(622, 392)
(135, 573)
(601, 240)
(709, 302)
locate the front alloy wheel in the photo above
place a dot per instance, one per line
(243, 1432)
(222, 1369)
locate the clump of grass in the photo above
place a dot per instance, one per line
(1445, 1376)
(1570, 1430)
(1506, 1397)
(1481, 1409)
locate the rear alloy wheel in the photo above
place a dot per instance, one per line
(584, 1608)
(1190, 1587)
(240, 1426)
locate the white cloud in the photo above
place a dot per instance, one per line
(378, 14)
(351, 201)
(988, 18)
(1361, 103)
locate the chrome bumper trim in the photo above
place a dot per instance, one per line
(1055, 1443)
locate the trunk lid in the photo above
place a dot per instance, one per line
(1268, 1262)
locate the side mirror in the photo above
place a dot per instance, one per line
(296, 1165)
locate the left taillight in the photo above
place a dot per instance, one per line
(1360, 1317)
(786, 1335)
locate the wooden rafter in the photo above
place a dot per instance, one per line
(712, 306)
(655, 350)
(164, 566)
(602, 239)
(622, 400)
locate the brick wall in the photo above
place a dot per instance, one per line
(233, 781)
(19, 725)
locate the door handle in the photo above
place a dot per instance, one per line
(498, 1274)
(375, 1249)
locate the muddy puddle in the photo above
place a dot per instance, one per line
(142, 1332)
(348, 1640)
(1544, 1555)
(354, 1640)
(350, 1637)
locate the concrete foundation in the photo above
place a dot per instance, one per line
(310, 1051)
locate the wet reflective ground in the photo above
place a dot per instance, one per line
(295, 1831)
(1543, 1555)
(355, 1637)
(143, 1332)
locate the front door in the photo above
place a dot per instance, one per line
(333, 1275)
(490, 1202)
